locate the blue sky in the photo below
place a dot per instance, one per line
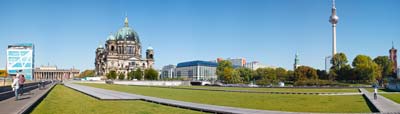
(67, 32)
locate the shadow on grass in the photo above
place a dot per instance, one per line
(370, 105)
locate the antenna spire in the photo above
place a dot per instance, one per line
(392, 44)
(333, 4)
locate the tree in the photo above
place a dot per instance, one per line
(131, 75)
(246, 74)
(345, 73)
(138, 74)
(265, 76)
(290, 75)
(3, 73)
(281, 74)
(322, 74)
(338, 61)
(87, 73)
(121, 76)
(150, 74)
(112, 75)
(222, 65)
(385, 64)
(305, 73)
(231, 76)
(365, 68)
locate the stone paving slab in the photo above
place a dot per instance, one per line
(102, 93)
(27, 100)
(108, 94)
(252, 91)
(383, 104)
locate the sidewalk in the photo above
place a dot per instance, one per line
(10, 106)
(383, 104)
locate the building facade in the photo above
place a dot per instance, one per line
(53, 73)
(236, 62)
(393, 58)
(197, 70)
(168, 72)
(254, 65)
(21, 57)
(122, 53)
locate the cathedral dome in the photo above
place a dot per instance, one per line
(111, 37)
(127, 33)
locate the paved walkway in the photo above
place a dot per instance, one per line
(102, 94)
(383, 104)
(264, 92)
(109, 95)
(25, 102)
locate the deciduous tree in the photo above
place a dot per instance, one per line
(138, 74)
(150, 74)
(87, 73)
(222, 65)
(112, 75)
(365, 68)
(121, 76)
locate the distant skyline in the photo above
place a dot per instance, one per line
(67, 32)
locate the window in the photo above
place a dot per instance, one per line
(112, 48)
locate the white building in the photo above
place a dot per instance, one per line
(255, 65)
(168, 72)
(197, 70)
(236, 62)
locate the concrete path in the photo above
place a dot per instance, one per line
(25, 102)
(102, 94)
(109, 94)
(263, 92)
(383, 104)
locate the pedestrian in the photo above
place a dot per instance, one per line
(15, 86)
(21, 83)
(376, 93)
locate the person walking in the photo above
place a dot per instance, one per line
(15, 86)
(376, 93)
(21, 83)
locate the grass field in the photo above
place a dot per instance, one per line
(280, 102)
(272, 89)
(63, 100)
(393, 97)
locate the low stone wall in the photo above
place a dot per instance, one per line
(7, 92)
(154, 83)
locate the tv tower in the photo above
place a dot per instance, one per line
(333, 20)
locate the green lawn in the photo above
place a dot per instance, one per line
(272, 89)
(62, 100)
(393, 97)
(281, 102)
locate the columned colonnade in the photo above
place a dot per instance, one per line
(54, 74)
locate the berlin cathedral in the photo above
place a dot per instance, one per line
(122, 53)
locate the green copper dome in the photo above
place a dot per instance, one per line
(127, 33)
(111, 37)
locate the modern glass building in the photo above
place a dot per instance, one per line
(21, 57)
(197, 70)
